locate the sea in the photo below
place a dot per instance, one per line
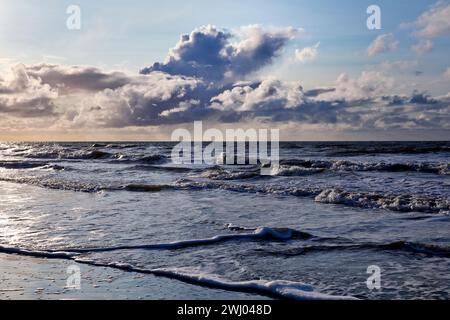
(365, 220)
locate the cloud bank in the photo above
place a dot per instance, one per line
(208, 76)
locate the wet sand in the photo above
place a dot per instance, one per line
(36, 278)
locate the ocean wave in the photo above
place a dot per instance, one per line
(437, 168)
(147, 167)
(37, 253)
(295, 171)
(219, 173)
(57, 167)
(232, 227)
(80, 186)
(302, 167)
(260, 233)
(145, 159)
(21, 164)
(398, 148)
(187, 184)
(431, 250)
(305, 166)
(97, 151)
(142, 187)
(402, 203)
(56, 184)
(281, 289)
(69, 154)
(122, 146)
(368, 200)
(275, 288)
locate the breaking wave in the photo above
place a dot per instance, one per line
(402, 203)
(275, 288)
(292, 166)
(369, 200)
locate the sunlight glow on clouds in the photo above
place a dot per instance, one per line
(215, 74)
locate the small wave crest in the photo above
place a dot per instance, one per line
(37, 253)
(308, 166)
(143, 159)
(260, 233)
(21, 164)
(219, 173)
(56, 184)
(431, 250)
(402, 203)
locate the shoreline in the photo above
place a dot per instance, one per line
(25, 278)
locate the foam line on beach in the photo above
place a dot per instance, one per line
(276, 288)
(38, 253)
(281, 289)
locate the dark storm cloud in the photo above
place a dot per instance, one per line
(77, 77)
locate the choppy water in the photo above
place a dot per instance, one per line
(328, 212)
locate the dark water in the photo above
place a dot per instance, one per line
(327, 213)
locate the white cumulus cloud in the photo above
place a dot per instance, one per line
(307, 53)
(383, 43)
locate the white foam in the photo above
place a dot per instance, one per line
(402, 203)
(279, 288)
(294, 171)
(37, 253)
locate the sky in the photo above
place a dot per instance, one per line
(137, 70)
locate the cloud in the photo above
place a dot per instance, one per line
(387, 66)
(77, 77)
(208, 77)
(266, 96)
(422, 47)
(431, 24)
(209, 53)
(447, 74)
(24, 96)
(307, 53)
(149, 100)
(434, 22)
(397, 67)
(370, 84)
(382, 44)
(353, 104)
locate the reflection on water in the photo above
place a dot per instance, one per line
(364, 204)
